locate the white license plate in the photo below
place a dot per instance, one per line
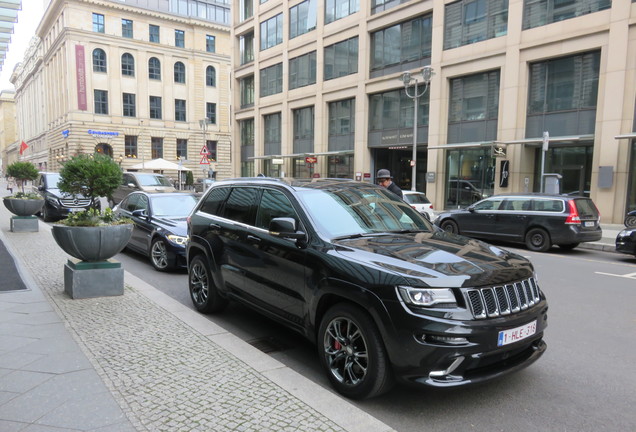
(588, 224)
(516, 334)
(73, 210)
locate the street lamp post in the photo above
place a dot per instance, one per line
(411, 80)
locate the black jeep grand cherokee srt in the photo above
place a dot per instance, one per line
(383, 293)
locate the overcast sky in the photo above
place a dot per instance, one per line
(28, 19)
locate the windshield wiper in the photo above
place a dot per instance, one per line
(357, 235)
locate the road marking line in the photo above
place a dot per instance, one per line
(628, 275)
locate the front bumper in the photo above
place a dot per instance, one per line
(419, 357)
(626, 242)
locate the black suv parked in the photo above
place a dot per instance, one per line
(382, 292)
(538, 220)
(58, 205)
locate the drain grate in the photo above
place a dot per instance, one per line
(269, 344)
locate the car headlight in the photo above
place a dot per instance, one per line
(428, 297)
(180, 240)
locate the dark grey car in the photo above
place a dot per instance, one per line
(538, 220)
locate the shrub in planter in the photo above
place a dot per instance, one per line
(22, 172)
(23, 203)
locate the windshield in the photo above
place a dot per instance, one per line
(52, 180)
(350, 211)
(172, 205)
(152, 180)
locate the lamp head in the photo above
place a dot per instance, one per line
(406, 78)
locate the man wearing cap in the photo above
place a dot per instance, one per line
(385, 180)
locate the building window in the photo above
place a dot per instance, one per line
(302, 18)
(246, 129)
(179, 73)
(127, 64)
(182, 148)
(378, 6)
(342, 120)
(99, 60)
(246, 9)
(179, 38)
(303, 129)
(302, 70)
(538, 13)
(401, 44)
(101, 101)
(272, 80)
(153, 31)
(210, 43)
(562, 95)
(98, 23)
(179, 110)
(210, 76)
(246, 86)
(341, 59)
(155, 107)
(272, 138)
(246, 48)
(272, 32)
(210, 112)
(127, 28)
(474, 107)
(130, 146)
(337, 9)
(154, 68)
(129, 104)
(393, 110)
(470, 21)
(156, 147)
(212, 150)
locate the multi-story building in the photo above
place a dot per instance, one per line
(319, 91)
(128, 80)
(8, 154)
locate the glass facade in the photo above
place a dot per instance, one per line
(538, 13)
(337, 9)
(247, 91)
(470, 176)
(302, 70)
(303, 119)
(341, 125)
(470, 21)
(272, 32)
(302, 18)
(246, 128)
(341, 59)
(271, 80)
(401, 46)
(246, 48)
(272, 135)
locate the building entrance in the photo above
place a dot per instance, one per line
(398, 161)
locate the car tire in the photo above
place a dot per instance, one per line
(161, 259)
(450, 226)
(46, 214)
(538, 240)
(569, 246)
(204, 294)
(346, 333)
(630, 221)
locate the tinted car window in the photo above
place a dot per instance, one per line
(516, 204)
(491, 204)
(173, 205)
(416, 199)
(273, 204)
(586, 208)
(212, 202)
(239, 205)
(548, 205)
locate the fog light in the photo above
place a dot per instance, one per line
(445, 340)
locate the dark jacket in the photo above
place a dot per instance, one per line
(395, 189)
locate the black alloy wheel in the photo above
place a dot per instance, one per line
(46, 213)
(203, 292)
(352, 353)
(538, 240)
(159, 255)
(450, 226)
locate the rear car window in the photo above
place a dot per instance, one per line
(416, 198)
(239, 205)
(212, 202)
(586, 208)
(548, 205)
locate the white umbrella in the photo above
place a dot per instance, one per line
(160, 164)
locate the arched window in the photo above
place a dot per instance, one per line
(154, 68)
(210, 76)
(179, 72)
(99, 60)
(127, 65)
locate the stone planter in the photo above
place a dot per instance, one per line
(23, 207)
(92, 243)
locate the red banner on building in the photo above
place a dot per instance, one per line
(80, 71)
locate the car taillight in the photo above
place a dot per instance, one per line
(573, 218)
(431, 206)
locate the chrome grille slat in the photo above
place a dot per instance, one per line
(490, 302)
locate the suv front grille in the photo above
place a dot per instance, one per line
(75, 202)
(507, 299)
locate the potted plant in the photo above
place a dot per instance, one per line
(91, 235)
(23, 203)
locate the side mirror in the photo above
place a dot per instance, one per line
(471, 208)
(285, 227)
(139, 213)
(131, 185)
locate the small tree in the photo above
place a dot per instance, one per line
(93, 176)
(189, 180)
(22, 171)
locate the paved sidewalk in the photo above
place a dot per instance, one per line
(138, 362)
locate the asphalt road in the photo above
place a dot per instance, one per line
(586, 381)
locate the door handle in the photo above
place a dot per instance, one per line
(215, 227)
(253, 239)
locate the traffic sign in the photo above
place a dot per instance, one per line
(204, 151)
(204, 160)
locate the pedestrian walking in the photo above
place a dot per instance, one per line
(11, 184)
(385, 180)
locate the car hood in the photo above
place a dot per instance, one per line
(59, 194)
(176, 225)
(437, 259)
